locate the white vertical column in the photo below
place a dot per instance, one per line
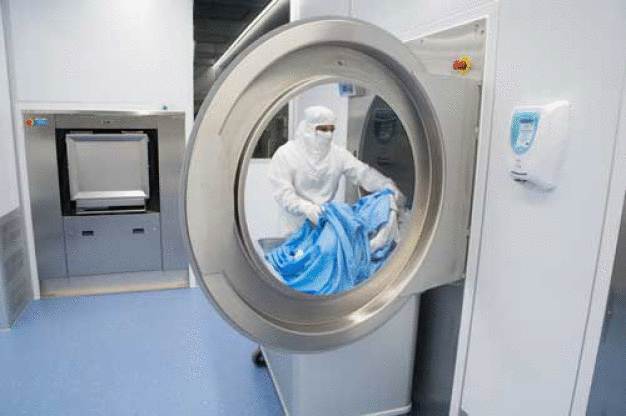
(9, 195)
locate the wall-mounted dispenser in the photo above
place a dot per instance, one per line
(538, 142)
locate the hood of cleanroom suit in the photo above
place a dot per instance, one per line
(307, 169)
(318, 143)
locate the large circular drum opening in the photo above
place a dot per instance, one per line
(356, 174)
(227, 183)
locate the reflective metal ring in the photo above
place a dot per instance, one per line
(262, 79)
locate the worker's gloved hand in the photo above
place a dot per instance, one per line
(399, 197)
(312, 211)
(386, 234)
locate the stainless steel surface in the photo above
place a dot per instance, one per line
(171, 130)
(456, 102)
(109, 120)
(370, 377)
(115, 283)
(44, 181)
(94, 183)
(15, 286)
(259, 82)
(269, 244)
(391, 154)
(45, 203)
(112, 243)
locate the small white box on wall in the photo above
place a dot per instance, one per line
(538, 139)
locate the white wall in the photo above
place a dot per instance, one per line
(538, 253)
(405, 18)
(262, 211)
(302, 9)
(131, 53)
(98, 55)
(9, 196)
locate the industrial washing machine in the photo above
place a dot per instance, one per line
(104, 197)
(350, 353)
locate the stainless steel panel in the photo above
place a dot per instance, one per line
(386, 148)
(171, 153)
(288, 61)
(106, 120)
(456, 103)
(369, 377)
(101, 244)
(15, 287)
(43, 185)
(95, 182)
(44, 182)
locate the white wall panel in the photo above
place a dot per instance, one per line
(404, 16)
(136, 52)
(302, 9)
(539, 251)
(9, 196)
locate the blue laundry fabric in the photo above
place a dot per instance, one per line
(335, 256)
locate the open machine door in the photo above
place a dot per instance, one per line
(259, 82)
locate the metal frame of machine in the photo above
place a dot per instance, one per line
(111, 239)
(261, 80)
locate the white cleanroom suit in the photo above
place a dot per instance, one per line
(305, 172)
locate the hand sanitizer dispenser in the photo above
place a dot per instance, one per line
(538, 142)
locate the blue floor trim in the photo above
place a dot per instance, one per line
(153, 353)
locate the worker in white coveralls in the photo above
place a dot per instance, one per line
(305, 174)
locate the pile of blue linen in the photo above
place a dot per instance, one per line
(335, 256)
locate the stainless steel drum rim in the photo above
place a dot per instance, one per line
(264, 77)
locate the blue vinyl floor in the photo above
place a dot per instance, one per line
(153, 353)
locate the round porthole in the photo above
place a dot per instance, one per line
(250, 113)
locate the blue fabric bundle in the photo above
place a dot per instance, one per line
(335, 256)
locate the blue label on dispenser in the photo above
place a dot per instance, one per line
(523, 131)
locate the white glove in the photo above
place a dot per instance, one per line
(312, 212)
(398, 196)
(387, 233)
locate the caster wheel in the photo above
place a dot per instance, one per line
(258, 359)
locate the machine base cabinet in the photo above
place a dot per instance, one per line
(112, 243)
(372, 376)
